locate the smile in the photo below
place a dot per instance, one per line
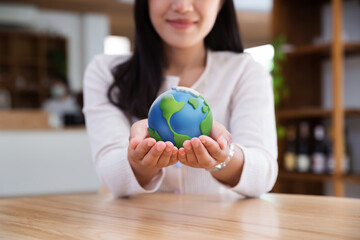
(181, 23)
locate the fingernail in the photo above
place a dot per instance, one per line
(187, 145)
(168, 149)
(150, 143)
(160, 147)
(195, 143)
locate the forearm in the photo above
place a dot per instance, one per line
(231, 174)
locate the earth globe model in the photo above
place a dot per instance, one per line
(178, 115)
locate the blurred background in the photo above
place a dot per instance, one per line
(312, 49)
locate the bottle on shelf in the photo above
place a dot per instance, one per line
(319, 154)
(289, 160)
(329, 151)
(303, 160)
(348, 154)
(346, 161)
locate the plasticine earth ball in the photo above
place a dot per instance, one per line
(178, 115)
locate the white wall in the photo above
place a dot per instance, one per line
(85, 34)
(45, 162)
(95, 28)
(69, 25)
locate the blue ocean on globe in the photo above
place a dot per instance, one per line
(178, 115)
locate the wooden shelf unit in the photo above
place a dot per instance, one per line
(312, 177)
(323, 49)
(306, 113)
(300, 22)
(25, 67)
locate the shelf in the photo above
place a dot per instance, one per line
(298, 24)
(322, 49)
(5, 84)
(27, 90)
(312, 113)
(32, 62)
(25, 67)
(312, 177)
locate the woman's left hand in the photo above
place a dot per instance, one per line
(206, 152)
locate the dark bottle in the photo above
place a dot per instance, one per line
(289, 160)
(330, 151)
(347, 156)
(303, 161)
(319, 154)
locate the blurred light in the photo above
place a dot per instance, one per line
(263, 55)
(254, 5)
(116, 45)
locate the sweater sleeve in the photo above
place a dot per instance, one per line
(108, 129)
(253, 128)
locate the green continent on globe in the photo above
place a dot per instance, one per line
(154, 134)
(206, 124)
(169, 106)
(204, 109)
(193, 102)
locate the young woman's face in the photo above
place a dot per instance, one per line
(183, 23)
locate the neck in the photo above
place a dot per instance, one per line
(180, 59)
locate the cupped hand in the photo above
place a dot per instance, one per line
(145, 153)
(206, 152)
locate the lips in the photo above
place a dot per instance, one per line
(181, 23)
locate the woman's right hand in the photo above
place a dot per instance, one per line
(146, 156)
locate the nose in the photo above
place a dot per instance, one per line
(182, 6)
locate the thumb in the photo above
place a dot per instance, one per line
(138, 132)
(220, 135)
(224, 141)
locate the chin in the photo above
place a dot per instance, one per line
(182, 44)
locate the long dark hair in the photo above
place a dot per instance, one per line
(139, 79)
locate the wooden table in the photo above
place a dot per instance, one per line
(170, 216)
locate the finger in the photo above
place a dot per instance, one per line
(182, 156)
(165, 156)
(202, 155)
(142, 148)
(134, 143)
(213, 148)
(190, 155)
(138, 132)
(223, 143)
(174, 156)
(152, 157)
(221, 135)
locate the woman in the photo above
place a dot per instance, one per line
(191, 43)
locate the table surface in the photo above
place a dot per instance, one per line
(171, 216)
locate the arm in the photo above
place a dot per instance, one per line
(109, 130)
(253, 129)
(253, 168)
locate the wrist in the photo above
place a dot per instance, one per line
(231, 174)
(142, 173)
(222, 165)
